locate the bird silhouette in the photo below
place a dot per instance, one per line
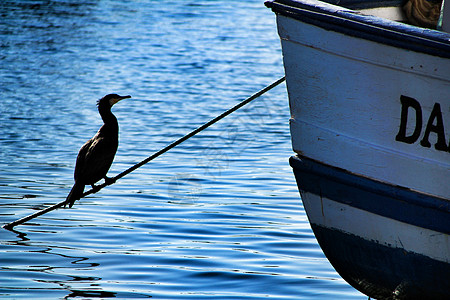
(96, 155)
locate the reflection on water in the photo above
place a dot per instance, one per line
(218, 216)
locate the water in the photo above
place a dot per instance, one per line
(217, 217)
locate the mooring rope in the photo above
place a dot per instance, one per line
(11, 225)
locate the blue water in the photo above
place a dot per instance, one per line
(217, 217)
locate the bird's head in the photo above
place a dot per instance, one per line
(111, 99)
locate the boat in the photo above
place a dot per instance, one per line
(369, 97)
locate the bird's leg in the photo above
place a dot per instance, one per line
(109, 180)
(96, 188)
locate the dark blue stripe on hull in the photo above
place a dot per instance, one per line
(386, 200)
(383, 272)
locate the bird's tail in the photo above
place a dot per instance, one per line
(75, 193)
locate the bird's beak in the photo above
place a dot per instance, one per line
(114, 101)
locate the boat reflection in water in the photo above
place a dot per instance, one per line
(369, 100)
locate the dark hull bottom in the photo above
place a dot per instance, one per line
(376, 269)
(383, 272)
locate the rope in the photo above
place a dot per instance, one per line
(11, 225)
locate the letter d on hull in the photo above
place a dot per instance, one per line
(408, 102)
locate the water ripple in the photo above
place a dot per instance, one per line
(217, 217)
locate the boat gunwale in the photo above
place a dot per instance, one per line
(352, 23)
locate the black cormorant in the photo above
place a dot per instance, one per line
(97, 154)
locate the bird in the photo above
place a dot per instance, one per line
(97, 154)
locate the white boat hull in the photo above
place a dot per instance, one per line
(370, 123)
(345, 95)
